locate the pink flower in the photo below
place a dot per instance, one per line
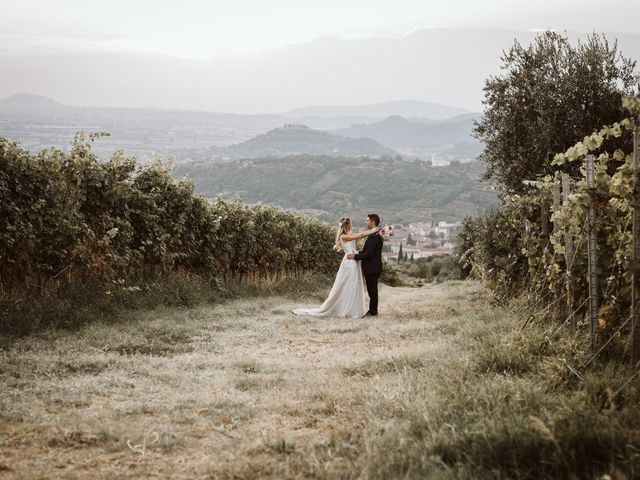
(385, 232)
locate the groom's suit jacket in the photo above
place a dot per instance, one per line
(371, 255)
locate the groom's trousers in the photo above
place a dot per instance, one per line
(371, 280)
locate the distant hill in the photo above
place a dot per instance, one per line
(40, 122)
(399, 191)
(396, 131)
(463, 116)
(404, 108)
(300, 139)
(25, 103)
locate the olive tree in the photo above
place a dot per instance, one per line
(550, 95)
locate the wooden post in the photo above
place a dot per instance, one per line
(592, 251)
(544, 216)
(556, 199)
(635, 287)
(555, 194)
(568, 252)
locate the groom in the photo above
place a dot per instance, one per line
(371, 257)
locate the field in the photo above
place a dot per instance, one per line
(441, 385)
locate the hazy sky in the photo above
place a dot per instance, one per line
(202, 29)
(235, 31)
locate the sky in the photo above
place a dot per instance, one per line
(236, 33)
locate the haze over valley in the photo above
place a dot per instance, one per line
(261, 125)
(412, 129)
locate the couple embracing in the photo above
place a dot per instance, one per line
(346, 298)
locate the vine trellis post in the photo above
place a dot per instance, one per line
(568, 251)
(635, 287)
(592, 251)
(544, 217)
(555, 196)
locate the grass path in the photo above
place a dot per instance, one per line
(239, 390)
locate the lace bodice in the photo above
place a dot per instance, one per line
(349, 247)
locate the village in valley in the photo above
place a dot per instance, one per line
(420, 240)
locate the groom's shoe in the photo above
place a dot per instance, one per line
(369, 314)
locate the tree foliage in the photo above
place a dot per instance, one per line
(550, 95)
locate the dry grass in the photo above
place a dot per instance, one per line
(247, 390)
(226, 391)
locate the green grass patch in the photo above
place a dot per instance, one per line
(384, 366)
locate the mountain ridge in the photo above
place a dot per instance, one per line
(449, 66)
(27, 102)
(405, 108)
(396, 131)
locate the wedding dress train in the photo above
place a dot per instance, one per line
(346, 298)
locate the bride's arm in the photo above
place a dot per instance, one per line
(355, 236)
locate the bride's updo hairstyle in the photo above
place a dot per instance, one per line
(344, 226)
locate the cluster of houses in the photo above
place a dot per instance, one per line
(423, 239)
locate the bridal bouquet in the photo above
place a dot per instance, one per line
(385, 232)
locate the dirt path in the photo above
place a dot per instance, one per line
(240, 390)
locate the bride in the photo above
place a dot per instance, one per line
(346, 298)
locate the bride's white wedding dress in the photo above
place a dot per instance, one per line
(346, 298)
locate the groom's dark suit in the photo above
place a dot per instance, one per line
(371, 257)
